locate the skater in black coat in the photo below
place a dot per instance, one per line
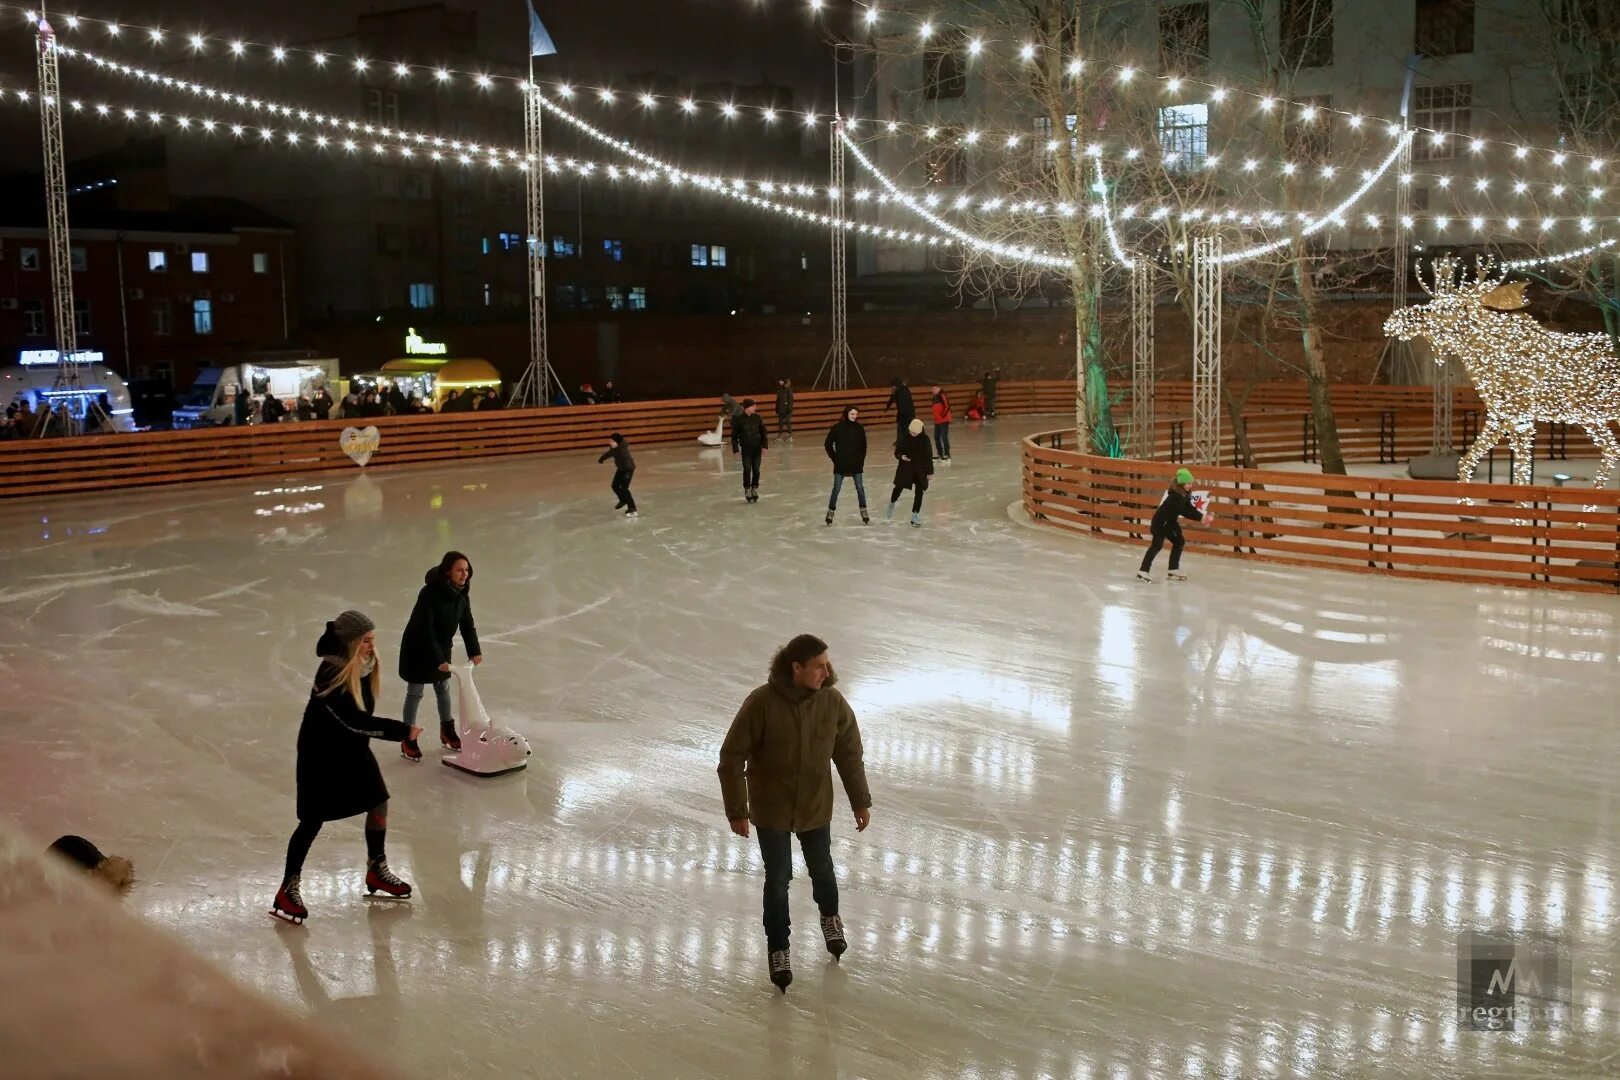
(905, 408)
(1166, 525)
(624, 471)
(442, 607)
(846, 446)
(337, 774)
(916, 465)
(748, 439)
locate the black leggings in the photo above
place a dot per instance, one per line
(916, 498)
(1177, 542)
(621, 487)
(303, 836)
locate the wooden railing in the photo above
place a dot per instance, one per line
(1536, 536)
(58, 466)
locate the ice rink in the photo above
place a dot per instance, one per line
(1230, 827)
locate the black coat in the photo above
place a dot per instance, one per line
(441, 609)
(846, 446)
(784, 400)
(900, 400)
(921, 466)
(337, 774)
(748, 433)
(1177, 504)
(621, 457)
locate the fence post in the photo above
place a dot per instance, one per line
(1307, 449)
(1386, 437)
(1178, 447)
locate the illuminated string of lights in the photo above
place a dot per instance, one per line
(286, 139)
(976, 48)
(1114, 244)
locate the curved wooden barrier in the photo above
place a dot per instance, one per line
(1536, 536)
(106, 462)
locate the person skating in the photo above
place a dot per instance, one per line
(623, 472)
(915, 464)
(748, 439)
(774, 773)
(905, 408)
(337, 773)
(443, 606)
(846, 446)
(942, 423)
(1166, 525)
(784, 409)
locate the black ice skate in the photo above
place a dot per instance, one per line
(832, 930)
(781, 969)
(288, 904)
(410, 750)
(381, 879)
(448, 736)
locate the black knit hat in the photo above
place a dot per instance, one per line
(748, 403)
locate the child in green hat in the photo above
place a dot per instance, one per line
(1166, 525)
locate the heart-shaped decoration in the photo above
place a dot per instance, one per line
(360, 443)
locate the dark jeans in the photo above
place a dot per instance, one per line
(1177, 542)
(784, 424)
(942, 439)
(750, 462)
(916, 498)
(901, 423)
(776, 846)
(621, 487)
(838, 485)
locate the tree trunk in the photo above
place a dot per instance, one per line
(1093, 410)
(1316, 376)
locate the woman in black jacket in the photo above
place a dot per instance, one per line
(846, 446)
(442, 607)
(337, 774)
(1166, 525)
(916, 458)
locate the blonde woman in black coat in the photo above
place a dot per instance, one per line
(337, 773)
(916, 465)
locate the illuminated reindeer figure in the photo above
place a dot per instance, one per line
(1523, 373)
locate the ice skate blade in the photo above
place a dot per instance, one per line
(286, 918)
(1176, 577)
(382, 896)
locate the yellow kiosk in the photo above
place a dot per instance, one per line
(428, 371)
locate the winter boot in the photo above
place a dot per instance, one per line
(866, 518)
(916, 521)
(410, 751)
(890, 514)
(781, 968)
(832, 930)
(829, 517)
(288, 904)
(381, 879)
(448, 736)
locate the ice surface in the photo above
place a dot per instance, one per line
(1223, 828)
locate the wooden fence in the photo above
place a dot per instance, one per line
(56, 466)
(1536, 536)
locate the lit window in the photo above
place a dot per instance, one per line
(615, 297)
(486, 245)
(421, 295)
(561, 247)
(28, 258)
(202, 316)
(700, 254)
(717, 256)
(1184, 132)
(614, 250)
(157, 261)
(489, 295)
(199, 262)
(638, 298)
(81, 261)
(261, 263)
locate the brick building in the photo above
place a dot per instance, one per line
(161, 292)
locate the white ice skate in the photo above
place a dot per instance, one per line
(486, 750)
(715, 437)
(1176, 575)
(1141, 575)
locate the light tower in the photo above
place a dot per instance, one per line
(839, 356)
(67, 386)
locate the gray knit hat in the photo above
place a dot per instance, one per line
(352, 624)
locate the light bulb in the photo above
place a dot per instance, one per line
(1355, 121)
(1218, 94)
(1521, 151)
(484, 81)
(1076, 66)
(1027, 52)
(926, 30)
(1174, 84)
(279, 53)
(1559, 159)
(1126, 74)
(196, 41)
(156, 35)
(976, 46)
(871, 15)
(688, 105)
(360, 63)
(320, 59)
(648, 101)
(770, 116)
(401, 71)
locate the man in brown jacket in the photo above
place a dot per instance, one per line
(773, 772)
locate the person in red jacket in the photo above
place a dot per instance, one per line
(942, 424)
(976, 409)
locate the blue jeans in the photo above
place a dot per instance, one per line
(413, 698)
(838, 485)
(776, 846)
